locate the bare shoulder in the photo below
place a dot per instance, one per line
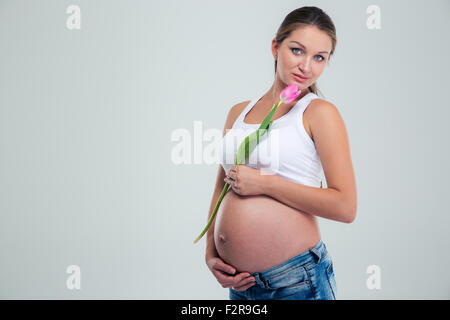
(318, 111)
(237, 109)
(234, 113)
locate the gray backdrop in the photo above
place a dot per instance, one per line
(87, 115)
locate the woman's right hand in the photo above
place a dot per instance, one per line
(223, 273)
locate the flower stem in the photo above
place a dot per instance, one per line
(240, 158)
(222, 194)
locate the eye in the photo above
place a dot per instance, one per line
(321, 57)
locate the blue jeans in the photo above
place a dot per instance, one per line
(307, 276)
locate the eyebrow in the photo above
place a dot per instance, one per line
(305, 47)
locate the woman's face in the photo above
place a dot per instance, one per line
(305, 52)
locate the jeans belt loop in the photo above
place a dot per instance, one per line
(316, 254)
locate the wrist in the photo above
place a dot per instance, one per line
(266, 182)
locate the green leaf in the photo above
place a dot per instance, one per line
(249, 144)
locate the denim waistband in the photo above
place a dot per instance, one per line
(312, 256)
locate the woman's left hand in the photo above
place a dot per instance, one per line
(244, 180)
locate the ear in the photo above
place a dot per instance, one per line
(274, 47)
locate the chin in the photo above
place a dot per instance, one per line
(301, 86)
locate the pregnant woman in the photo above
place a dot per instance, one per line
(264, 242)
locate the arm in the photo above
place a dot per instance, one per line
(337, 202)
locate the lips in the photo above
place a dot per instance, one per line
(300, 76)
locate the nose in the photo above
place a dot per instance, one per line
(305, 65)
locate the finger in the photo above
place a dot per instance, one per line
(232, 175)
(232, 183)
(238, 279)
(229, 281)
(229, 181)
(244, 287)
(222, 266)
(245, 281)
(223, 277)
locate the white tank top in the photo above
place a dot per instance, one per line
(286, 151)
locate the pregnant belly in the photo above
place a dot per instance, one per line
(255, 233)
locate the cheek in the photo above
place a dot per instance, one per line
(290, 61)
(286, 66)
(287, 60)
(317, 70)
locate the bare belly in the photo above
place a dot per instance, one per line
(255, 233)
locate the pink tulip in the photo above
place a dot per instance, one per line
(290, 93)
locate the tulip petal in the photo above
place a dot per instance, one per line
(290, 93)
